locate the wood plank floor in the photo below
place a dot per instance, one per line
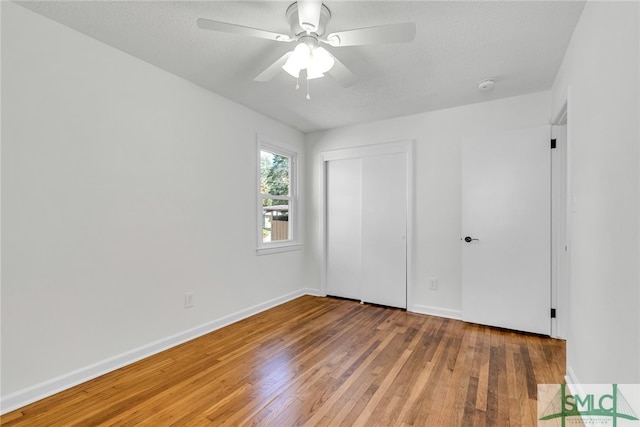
(321, 362)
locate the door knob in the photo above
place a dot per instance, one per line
(469, 239)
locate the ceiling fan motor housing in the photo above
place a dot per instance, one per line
(294, 22)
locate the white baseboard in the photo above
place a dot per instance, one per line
(47, 388)
(572, 382)
(436, 311)
(312, 292)
(576, 388)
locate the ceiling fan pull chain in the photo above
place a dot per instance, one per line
(297, 83)
(308, 96)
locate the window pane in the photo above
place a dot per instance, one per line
(275, 220)
(274, 174)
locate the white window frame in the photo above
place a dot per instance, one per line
(293, 244)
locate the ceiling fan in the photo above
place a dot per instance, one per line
(308, 22)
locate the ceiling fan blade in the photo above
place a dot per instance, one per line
(272, 70)
(208, 24)
(342, 74)
(393, 33)
(309, 14)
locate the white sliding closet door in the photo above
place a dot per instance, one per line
(366, 227)
(384, 228)
(344, 227)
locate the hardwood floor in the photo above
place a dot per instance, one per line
(321, 362)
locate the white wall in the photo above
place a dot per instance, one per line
(438, 137)
(599, 76)
(123, 187)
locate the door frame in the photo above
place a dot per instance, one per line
(560, 220)
(403, 147)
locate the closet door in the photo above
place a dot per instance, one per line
(343, 227)
(366, 227)
(384, 228)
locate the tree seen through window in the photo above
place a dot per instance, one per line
(275, 172)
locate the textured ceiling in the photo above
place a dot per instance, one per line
(519, 44)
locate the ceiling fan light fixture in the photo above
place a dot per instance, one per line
(291, 69)
(314, 73)
(298, 60)
(316, 60)
(308, 21)
(301, 56)
(321, 60)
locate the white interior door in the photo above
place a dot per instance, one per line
(344, 227)
(559, 233)
(506, 206)
(384, 228)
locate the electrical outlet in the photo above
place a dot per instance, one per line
(188, 300)
(433, 283)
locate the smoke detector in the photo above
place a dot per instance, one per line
(486, 84)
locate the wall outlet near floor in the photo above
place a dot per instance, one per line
(188, 300)
(433, 283)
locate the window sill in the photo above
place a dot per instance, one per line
(289, 247)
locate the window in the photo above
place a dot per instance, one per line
(277, 198)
